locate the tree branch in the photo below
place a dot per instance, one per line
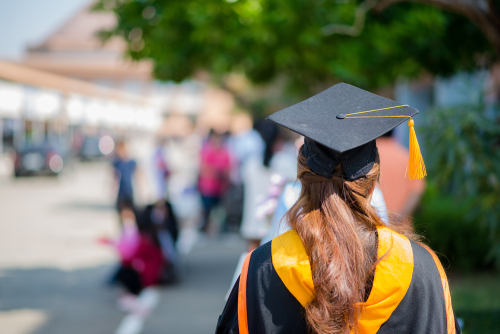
(480, 12)
(358, 25)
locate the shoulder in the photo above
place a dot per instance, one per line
(418, 259)
(289, 263)
(261, 258)
(272, 307)
(429, 277)
(274, 260)
(284, 250)
(427, 269)
(418, 287)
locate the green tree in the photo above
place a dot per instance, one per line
(484, 13)
(309, 43)
(465, 162)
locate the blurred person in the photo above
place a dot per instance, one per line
(276, 170)
(286, 192)
(183, 156)
(284, 156)
(129, 237)
(128, 241)
(215, 164)
(269, 133)
(142, 267)
(124, 169)
(244, 144)
(401, 194)
(256, 176)
(162, 217)
(341, 269)
(161, 171)
(162, 214)
(182, 151)
(274, 181)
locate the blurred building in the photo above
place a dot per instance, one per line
(74, 50)
(72, 90)
(38, 106)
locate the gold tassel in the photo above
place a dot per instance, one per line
(416, 166)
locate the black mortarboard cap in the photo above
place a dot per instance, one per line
(340, 125)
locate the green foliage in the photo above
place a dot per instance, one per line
(458, 241)
(283, 38)
(464, 160)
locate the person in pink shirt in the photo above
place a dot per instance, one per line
(215, 165)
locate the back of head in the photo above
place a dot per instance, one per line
(337, 226)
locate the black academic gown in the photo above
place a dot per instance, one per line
(410, 292)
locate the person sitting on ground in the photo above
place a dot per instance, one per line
(162, 217)
(142, 265)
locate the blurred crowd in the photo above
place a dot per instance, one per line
(199, 184)
(192, 185)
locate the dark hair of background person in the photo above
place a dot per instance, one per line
(169, 222)
(269, 132)
(337, 226)
(146, 226)
(219, 137)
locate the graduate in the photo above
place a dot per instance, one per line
(340, 269)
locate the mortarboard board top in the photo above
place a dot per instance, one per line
(344, 119)
(316, 117)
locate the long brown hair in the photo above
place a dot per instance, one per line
(337, 226)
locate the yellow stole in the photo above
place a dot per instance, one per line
(392, 275)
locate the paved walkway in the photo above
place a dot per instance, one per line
(52, 270)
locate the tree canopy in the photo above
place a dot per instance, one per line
(288, 38)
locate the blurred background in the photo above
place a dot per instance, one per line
(136, 166)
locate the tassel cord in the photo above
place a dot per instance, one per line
(416, 167)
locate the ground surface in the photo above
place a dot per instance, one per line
(476, 299)
(53, 272)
